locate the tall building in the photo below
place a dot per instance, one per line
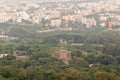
(110, 24)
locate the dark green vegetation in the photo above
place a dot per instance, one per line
(95, 54)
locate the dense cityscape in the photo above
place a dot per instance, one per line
(87, 14)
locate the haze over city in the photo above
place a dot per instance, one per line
(86, 13)
(59, 39)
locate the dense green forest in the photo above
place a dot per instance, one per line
(35, 62)
(95, 54)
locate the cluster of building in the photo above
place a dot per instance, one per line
(61, 14)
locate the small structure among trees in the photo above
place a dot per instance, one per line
(63, 55)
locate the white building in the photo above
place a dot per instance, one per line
(56, 22)
(4, 18)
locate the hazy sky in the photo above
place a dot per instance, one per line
(49, 0)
